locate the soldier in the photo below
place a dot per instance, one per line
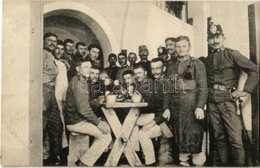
(152, 129)
(185, 102)
(143, 53)
(170, 47)
(69, 48)
(162, 53)
(132, 58)
(80, 118)
(52, 124)
(223, 67)
(81, 50)
(112, 69)
(95, 55)
(122, 60)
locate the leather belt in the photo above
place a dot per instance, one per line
(220, 87)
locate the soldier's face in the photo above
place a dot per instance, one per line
(59, 51)
(216, 41)
(170, 46)
(122, 59)
(82, 50)
(50, 43)
(132, 58)
(183, 48)
(112, 60)
(128, 78)
(143, 54)
(140, 74)
(157, 69)
(84, 69)
(94, 75)
(69, 47)
(94, 53)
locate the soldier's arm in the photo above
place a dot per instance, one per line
(249, 68)
(201, 81)
(82, 103)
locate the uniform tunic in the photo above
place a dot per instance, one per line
(187, 90)
(223, 68)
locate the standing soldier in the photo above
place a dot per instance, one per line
(185, 102)
(223, 66)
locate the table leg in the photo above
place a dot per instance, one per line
(120, 147)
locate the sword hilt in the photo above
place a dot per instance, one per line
(237, 100)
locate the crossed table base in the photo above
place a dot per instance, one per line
(122, 132)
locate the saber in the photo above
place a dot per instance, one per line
(249, 148)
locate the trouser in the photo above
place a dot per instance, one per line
(99, 145)
(227, 128)
(197, 158)
(52, 124)
(146, 136)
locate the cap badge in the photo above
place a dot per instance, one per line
(213, 29)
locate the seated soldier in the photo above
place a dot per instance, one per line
(107, 82)
(96, 94)
(80, 118)
(129, 84)
(149, 117)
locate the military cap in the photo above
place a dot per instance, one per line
(161, 51)
(142, 48)
(214, 30)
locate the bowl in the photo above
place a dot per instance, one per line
(111, 99)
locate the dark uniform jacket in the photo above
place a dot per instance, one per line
(72, 71)
(223, 68)
(187, 76)
(77, 107)
(95, 90)
(158, 94)
(148, 89)
(112, 71)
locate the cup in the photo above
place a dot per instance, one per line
(111, 99)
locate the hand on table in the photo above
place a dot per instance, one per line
(148, 126)
(103, 127)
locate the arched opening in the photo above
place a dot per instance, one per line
(80, 23)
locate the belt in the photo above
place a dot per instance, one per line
(220, 87)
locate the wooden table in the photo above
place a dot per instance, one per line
(122, 132)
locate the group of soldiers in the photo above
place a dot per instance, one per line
(176, 86)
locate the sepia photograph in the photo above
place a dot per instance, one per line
(131, 83)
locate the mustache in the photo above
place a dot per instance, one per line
(215, 44)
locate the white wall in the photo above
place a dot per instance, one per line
(149, 25)
(15, 92)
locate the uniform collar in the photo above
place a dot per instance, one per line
(183, 58)
(217, 50)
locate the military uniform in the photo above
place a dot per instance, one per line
(223, 66)
(72, 71)
(112, 71)
(223, 71)
(187, 90)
